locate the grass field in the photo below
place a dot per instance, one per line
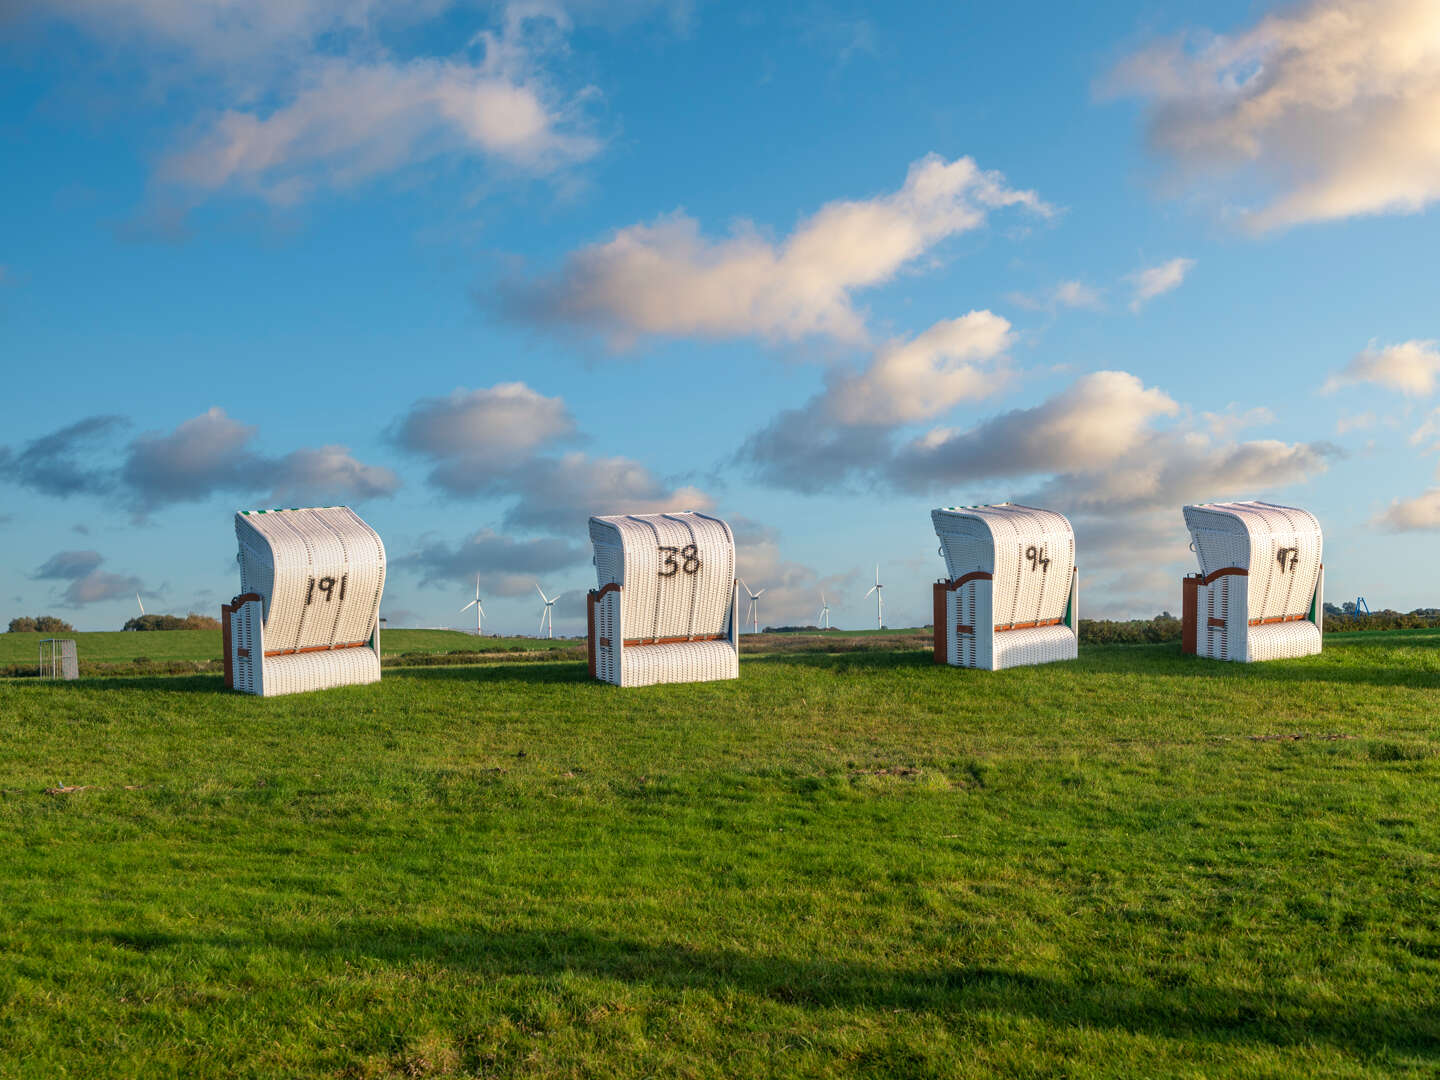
(113, 646)
(843, 864)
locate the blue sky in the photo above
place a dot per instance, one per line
(480, 270)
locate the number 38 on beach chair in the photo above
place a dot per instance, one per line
(664, 610)
(1012, 596)
(1258, 595)
(307, 617)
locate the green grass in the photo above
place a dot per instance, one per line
(116, 646)
(844, 864)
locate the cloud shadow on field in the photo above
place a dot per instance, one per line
(1268, 1014)
(199, 683)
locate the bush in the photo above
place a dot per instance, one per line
(193, 621)
(1162, 628)
(43, 624)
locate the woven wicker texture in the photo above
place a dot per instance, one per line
(1030, 552)
(300, 672)
(1029, 555)
(1265, 580)
(319, 573)
(1037, 645)
(683, 661)
(1253, 536)
(676, 578)
(677, 571)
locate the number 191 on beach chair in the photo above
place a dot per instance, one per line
(307, 617)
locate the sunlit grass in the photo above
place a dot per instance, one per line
(853, 864)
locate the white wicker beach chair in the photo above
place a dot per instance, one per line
(1013, 592)
(307, 617)
(1259, 593)
(665, 607)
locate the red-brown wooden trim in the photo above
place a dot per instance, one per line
(243, 652)
(940, 622)
(1278, 619)
(633, 642)
(245, 598)
(1238, 571)
(1027, 625)
(1189, 613)
(317, 648)
(1217, 624)
(604, 642)
(965, 579)
(598, 593)
(225, 610)
(961, 628)
(590, 630)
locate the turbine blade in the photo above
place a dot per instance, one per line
(468, 606)
(871, 589)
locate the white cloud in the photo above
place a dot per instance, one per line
(503, 419)
(1355, 422)
(210, 453)
(1330, 105)
(500, 441)
(1153, 281)
(506, 566)
(923, 377)
(327, 472)
(1097, 421)
(1428, 430)
(311, 94)
(562, 492)
(1076, 294)
(1410, 367)
(88, 584)
(667, 279)
(1233, 420)
(846, 428)
(351, 122)
(1066, 294)
(1420, 514)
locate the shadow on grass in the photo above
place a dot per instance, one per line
(1151, 661)
(1267, 1015)
(175, 684)
(530, 671)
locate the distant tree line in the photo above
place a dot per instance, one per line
(1166, 627)
(40, 624)
(1162, 628)
(49, 624)
(193, 621)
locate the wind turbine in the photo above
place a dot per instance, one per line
(547, 619)
(824, 617)
(879, 591)
(753, 615)
(479, 609)
(141, 603)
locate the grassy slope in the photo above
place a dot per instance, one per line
(114, 645)
(855, 864)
